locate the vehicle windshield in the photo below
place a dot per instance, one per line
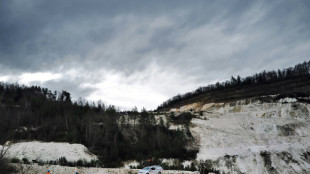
(147, 168)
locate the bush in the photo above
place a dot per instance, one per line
(92, 163)
(71, 164)
(63, 161)
(5, 167)
(79, 162)
(207, 166)
(41, 163)
(15, 160)
(26, 161)
(183, 118)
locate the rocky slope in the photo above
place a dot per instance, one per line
(253, 135)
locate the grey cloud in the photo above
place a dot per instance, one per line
(72, 86)
(207, 40)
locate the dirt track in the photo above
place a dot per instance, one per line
(56, 169)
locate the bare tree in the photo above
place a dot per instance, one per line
(5, 167)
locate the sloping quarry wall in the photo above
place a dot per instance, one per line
(250, 136)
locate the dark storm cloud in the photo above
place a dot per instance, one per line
(203, 41)
(36, 31)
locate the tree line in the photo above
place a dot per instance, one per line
(301, 70)
(35, 113)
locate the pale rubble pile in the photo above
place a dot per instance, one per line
(250, 136)
(48, 151)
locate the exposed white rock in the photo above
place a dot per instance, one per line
(186, 163)
(288, 100)
(174, 110)
(158, 117)
(176, 127)
(170, 161)
(51, 151)
(239, 137)
(130, 164)
(207, 106)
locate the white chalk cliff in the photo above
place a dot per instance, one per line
(251, 136)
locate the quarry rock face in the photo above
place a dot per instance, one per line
(191, 107)
(251, 136)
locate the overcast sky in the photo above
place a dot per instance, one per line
(140, 53)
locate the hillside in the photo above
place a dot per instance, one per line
(292, 81)
(256, 124)
(37, 114)
(291, 87)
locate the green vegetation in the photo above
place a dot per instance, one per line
(26, 161)
(267, 161)
(15, 160)
(5, 167)
(63, 162)
(29, 113)
(183, 118)
(207, 166)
